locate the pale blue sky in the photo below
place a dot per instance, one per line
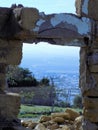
(48, 6)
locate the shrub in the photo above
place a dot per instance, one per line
(44, 81)
(78, 101)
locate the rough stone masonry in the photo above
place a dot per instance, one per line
(23, 24)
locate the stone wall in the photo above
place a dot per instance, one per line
(89, 67)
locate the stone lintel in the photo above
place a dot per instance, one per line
(64, 29)
(28, 25)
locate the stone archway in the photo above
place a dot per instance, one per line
(19, 24)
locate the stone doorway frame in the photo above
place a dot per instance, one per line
(20, 24)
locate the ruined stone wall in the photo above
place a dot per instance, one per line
(89, 67)
(19, 25)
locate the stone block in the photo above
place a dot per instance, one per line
(59, 120)
(66, 127)
(9, 105)
(93, 59)
(72, 113)
(90, 103)
(64, 115)
(54, 126)
(93, 68)
(8, 24)
(45, 118)
(87, 125)
(78, 123)
(90, 87)
(88, 8)
(78, 4)
(40, 127)
(91, 115)
(29, 17)
(10, 52)
(14, 52)
(91, 92)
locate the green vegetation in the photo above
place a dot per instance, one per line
(36, 108)
(23, 77)
(37, 111)
(78, 101)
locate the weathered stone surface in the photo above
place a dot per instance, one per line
(53, 126)
(78, 4)
(40, 127)
(27, 123)
(14, 52)
(29, 17)
(59, 28)
(83, 69)
(10, 123)
(45, 118)
(65, 127)
(72, 113)
(78, 123)
(32, 125)
(94, 68)
(87, 8)
(27, 24)
(91, 114)
(58, 120)
(88, 80)
(88, 84)
(91, 92)
(91, 85)
(10, 52)
(93, 58)
(64, 115)
(90, 102)
(62, 29)
(8, 24)
(9, 105)
(87, 125)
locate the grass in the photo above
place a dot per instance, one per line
(28, 111)
(35, 108)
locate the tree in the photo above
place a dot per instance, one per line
(78, 101)
(18, 76)
(45, 81)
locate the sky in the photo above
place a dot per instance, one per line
(47, 6)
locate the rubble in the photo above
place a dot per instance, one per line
(68, 120)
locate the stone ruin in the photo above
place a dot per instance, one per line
(21, 24)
